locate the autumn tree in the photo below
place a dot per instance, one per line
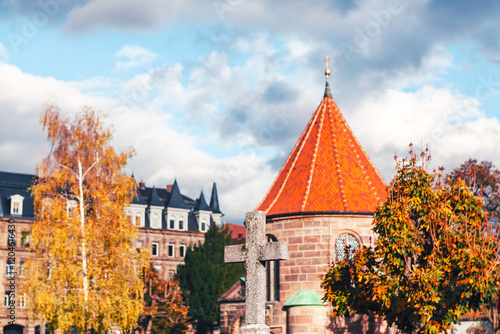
(85, 271)
(164, 308)
(434, 258)
(204, 277)
(484, 181)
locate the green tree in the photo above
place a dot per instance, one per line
(84, 273)
(435, 256)
(204, 277)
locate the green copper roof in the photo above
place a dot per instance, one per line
(305, 297)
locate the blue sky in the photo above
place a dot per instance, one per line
(220, 90)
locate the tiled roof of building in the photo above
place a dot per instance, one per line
(238, 232)
(154, 199)
(16, 184)
(327, 170)
(175, 199)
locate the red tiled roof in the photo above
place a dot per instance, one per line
(238, 232)
(326, 171)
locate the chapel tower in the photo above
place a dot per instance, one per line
(321, 203)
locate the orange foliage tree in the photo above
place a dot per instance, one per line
(164, 308)
(435, 256)
(484, 181)
(85, 272)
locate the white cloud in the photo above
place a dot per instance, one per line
(164, 149)
(134, 55)
(451, 124)
(4, 56)
(230, 120)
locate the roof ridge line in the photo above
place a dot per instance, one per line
(313, 162)
(367, 177)
(336, 157)
(302, 140)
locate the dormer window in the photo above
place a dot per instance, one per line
(16, 204)
(203, 226)
(138, 221)
(156, 221)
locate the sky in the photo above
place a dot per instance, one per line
(219, 90)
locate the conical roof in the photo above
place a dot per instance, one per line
(327, 170)
(154, 199)
(214, 200)
(201, 203)
(175, 199)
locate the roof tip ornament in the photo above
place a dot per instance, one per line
(327, 74)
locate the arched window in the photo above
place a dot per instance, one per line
(346, 244)
(156, 221)
(272, 276)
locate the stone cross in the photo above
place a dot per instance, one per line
(254, 253)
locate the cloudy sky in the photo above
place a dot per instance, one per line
(220, 90)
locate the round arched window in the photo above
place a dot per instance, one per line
(346, 244)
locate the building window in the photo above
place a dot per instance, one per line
(181, 224)
(171, 274)
(172, 224)
(155, 251)
(138, 221)
(10, 268)
(25, 239)
(22, 301)
(272, 276)
(7, 298)
(346, 244)
(21, 269)
(156, 221)
(16, 204)
(203, 226)
(182, 250)
(171, 250)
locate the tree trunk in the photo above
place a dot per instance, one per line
(82, 231)
(150, 324)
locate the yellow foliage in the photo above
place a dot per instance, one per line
(85, 272)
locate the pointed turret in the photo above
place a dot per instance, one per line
(175, 199)
(201, 204)
(138, 198)
(154, 199)
(214, 200)
(327, 170)
(202, 213)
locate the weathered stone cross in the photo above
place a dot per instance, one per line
(254, 253)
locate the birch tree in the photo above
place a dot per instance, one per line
(86, 272)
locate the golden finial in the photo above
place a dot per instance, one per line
(327, 71)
